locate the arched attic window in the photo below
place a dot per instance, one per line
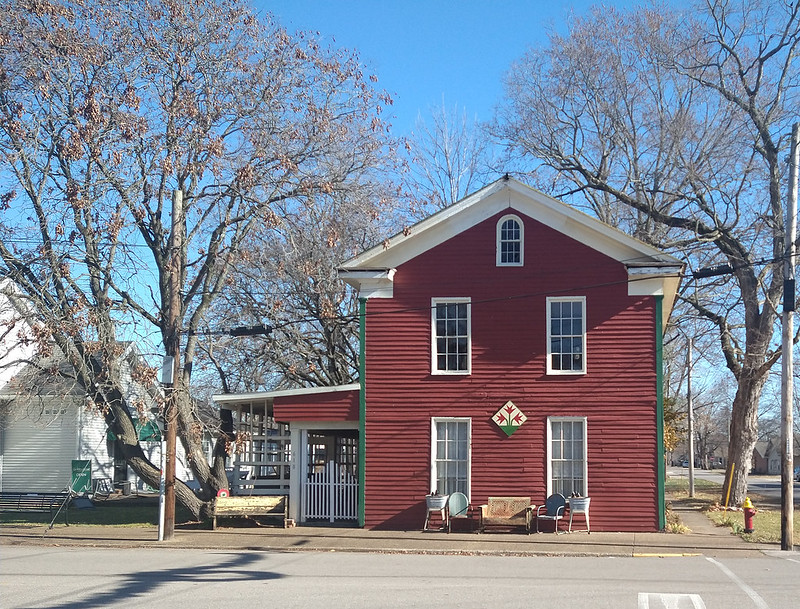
(510, 241)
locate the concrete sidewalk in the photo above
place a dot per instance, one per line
(704, 538)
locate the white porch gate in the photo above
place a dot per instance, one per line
(330, 494)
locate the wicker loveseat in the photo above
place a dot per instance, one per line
(506, 512)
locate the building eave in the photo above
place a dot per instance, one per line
(233, 399)
(661, 279)
(507, 194)
(370, 283)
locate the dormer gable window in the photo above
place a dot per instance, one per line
(510, 241)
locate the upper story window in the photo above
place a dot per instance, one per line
(510, 241)
(566, 335)
(452, 345)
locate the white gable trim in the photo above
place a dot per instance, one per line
(650, 271)
(516, 197)
(370, 283)
(661, 280)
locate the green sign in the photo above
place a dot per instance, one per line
(148, 432)
(81, 476)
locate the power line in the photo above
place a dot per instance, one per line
(260, 329)
(561, 291)
(728, 269)
(266, 330)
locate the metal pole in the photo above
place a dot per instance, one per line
(690, 414)
(173, 349)
(161, 485)
(787, 393)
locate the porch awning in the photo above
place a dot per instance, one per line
(339, 403)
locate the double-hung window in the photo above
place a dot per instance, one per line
(566, 335)
(450, 455)
(510, 250)
(566, 456)
(452, 348)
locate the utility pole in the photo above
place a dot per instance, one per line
(173, 349)
(787, 388)
(690, 414)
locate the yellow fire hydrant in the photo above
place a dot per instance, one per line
(749, 512)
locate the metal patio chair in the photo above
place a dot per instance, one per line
(457, 507)
(553, 509)
(579, 505)
(102, 488)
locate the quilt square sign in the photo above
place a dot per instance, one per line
(509, 418)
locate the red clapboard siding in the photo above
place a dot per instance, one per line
(333, 406)
(617, 395)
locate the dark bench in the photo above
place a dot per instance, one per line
(30, 503)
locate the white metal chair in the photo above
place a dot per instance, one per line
(579, 505)
(102, 488)
(553, 507)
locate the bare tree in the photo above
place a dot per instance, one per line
(449, 157)
(287, 275)
(680, 119)
(105, 109)
(711, 419)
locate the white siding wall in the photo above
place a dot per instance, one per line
(12, 351)
(93, 444)
(152, 451)
(38, 454)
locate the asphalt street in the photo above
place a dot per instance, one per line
(72, 578)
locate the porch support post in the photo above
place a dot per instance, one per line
(299, 448)
(660, 452)
(362, 410)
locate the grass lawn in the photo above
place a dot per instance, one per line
(127, 511)
(767, 522)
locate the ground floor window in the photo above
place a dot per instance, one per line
(566, 456)
(450, 455)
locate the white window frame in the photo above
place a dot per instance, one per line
(499, 240)
(550, 420)
(550, 369)
(434, 437)
(434, 351)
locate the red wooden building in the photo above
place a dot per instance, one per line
(510, 346)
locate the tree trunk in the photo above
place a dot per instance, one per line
(743, 436)
(211, 476)
(121, 423)
(198, 508)
(225, 441)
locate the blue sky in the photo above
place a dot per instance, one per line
(426, 52)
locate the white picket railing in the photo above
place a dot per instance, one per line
(332, 494)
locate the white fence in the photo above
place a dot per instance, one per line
(331, 494)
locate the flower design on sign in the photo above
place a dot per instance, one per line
(509, 418)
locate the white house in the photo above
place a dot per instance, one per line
(43, 431)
